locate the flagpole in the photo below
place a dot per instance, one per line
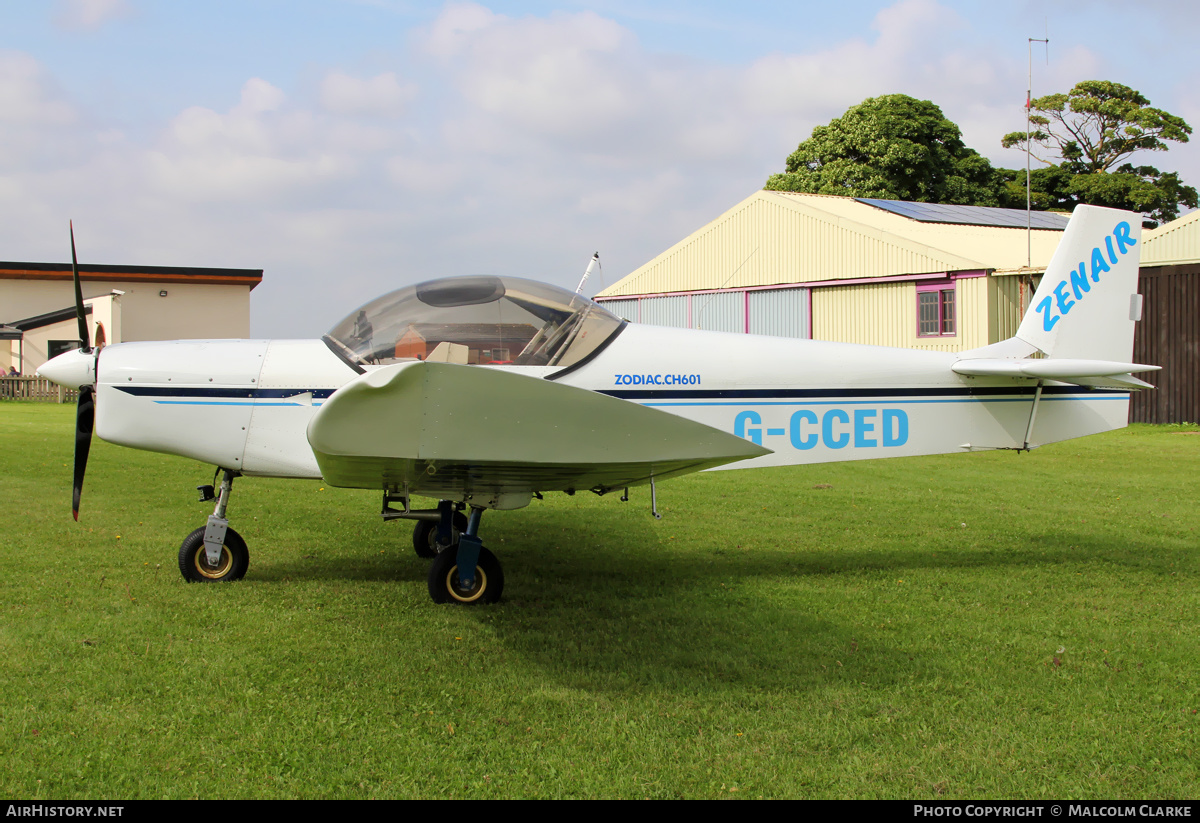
(1028, 149)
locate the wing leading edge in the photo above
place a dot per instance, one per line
(449, 430)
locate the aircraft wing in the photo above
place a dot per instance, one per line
(444, 430)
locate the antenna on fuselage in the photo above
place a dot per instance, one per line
(700, 314)
(592, 266)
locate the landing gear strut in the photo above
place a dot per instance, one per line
(463, 570)
(467, 572)
(215, 552)
(431, 536)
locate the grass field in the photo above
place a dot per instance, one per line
(985, 626)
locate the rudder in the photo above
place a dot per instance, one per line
(1087, 303)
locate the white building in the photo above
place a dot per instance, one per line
(124, 303)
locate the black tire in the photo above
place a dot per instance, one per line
(425, 535)
(193, 560)
(443, 578)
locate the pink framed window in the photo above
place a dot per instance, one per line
(935, 309)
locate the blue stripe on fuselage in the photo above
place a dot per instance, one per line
(204, 396)
(817, 397)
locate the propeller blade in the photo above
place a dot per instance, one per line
(85, 418)
(85, 339)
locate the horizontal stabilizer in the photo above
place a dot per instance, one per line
(1062, 369)
(444, 430)
(1126, 382)
(1098, 374)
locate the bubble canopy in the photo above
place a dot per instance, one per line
(478, 320)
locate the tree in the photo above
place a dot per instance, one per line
(1092, 131)
(893, 147)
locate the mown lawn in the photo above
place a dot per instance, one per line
(985, 626)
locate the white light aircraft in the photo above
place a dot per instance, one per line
(484, 392)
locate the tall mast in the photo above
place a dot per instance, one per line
(1028, 149)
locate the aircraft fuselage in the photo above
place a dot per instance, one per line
(246, 404)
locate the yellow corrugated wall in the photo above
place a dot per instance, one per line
(1174, 242)
(885, 314)
(1005, 304)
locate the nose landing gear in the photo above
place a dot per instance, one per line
(215, 553)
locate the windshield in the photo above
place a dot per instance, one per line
(476, 320)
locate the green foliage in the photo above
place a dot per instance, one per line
(1091, 132)
(895, 148)
(1098, 125)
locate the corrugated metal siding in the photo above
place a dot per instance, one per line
(1177, 241)
(971, 312)
(865, 314)
(1169, 336)
(882, 314)
(885, 314)
(623, 308)
(665, 311)
(722, 311)
(1007, 297)
(780, 313)
(777, 312)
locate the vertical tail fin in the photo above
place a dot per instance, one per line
(1087, 303)
(1083, 314)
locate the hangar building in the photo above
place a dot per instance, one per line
(881, 272)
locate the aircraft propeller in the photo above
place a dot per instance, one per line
(85, 411)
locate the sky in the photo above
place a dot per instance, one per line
(352, 147)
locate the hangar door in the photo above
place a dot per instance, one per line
(776, 312)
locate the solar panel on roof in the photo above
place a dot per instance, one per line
(969, 215)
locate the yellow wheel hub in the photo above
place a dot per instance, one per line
(466, 595)
(215, 572)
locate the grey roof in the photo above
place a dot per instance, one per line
(970, 215)
(47, 319)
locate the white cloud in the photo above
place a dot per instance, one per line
(919, 48)
(26, 94)
(383, 95)
(580, 83)
(458, 21)
(560, 75)
(244, 177)
(90, 14)
(39, 128)
(260, 151)
(259, 96)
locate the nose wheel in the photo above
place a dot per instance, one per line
(215, 553)
(230, 565)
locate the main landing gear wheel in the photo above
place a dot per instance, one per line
(444, 585)
(193, 559)
(425, 535)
